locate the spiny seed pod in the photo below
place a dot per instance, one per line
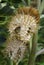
(22, 26)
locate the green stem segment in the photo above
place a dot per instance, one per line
(41, 7)
(33, 50)
(29, 2)
(11, 61)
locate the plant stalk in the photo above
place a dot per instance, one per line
(33, 50)
(40, 6)
(11, 61)
(29, 2)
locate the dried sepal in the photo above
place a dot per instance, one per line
(29, 11)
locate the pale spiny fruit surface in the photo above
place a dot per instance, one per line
(21, 28)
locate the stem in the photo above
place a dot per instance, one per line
(10, 57)
(38, 4)
(29, 2)
(24, 2)
(11, 61)
(33, 51)
(41, 7)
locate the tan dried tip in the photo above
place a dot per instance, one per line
(29, 11)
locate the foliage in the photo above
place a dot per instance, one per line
(7, 8)
(41, 33)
